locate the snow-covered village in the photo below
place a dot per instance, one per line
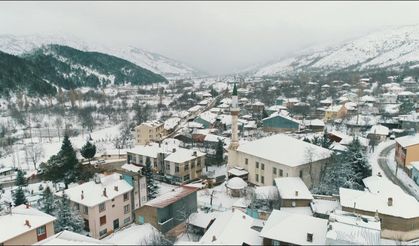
(106, 143)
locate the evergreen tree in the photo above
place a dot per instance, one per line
(19, 196)
(337, 174)
(63, 166)
(88, 151)
(20, 179)
(67, 218)
(47, 202)
(151, 186)
(406, 107)
(357, 160)
(219, 152)
(325, 142)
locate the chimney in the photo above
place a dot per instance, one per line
(296, 193)
(27, 205)
(194, 153)
(213, 238)
(82, 195)
(104, 192)
(116, 188)
(27, 223)
(173, 150)
(390, 201)
(309, 237)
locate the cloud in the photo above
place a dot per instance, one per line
(217, 37)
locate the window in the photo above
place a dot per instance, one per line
(281, 173)
(168, 167)
(176, 168)
(301, 173)
(192, 164)
(126, 209)
(309, 237)
(103, 232)
(198, 164)
(246, 161)
(85, 210)
(86, 225)
(186, 166)
(275, 243)
(274, 170)
(262, 166)
(127, 220)
(257, 178)
(262, 179)
(102, 207)
(77, 206)
(186, 177)
(257, 164)
(103, 220)
(126, 196)
(41, 230)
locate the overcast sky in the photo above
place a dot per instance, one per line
(216, 37)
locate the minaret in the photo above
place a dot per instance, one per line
(234, 110)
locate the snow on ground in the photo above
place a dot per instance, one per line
(32, 192)
(133, 235)
(103, 139)
(402, 175)
(221, 200)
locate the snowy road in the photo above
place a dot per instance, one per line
(384, 165)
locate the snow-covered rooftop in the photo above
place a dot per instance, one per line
(236, 183)
(379, 130)
(201, 220)
(292, 188)
(232, 228)
(408, 140)
(285, 150)
(182, 155)
(93, 193)
(293, 228)
(171, 197)
(403, 206)
(13, 224)
(71, 238)
(349, 228)
(131, 168)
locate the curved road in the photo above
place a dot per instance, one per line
(382, 162)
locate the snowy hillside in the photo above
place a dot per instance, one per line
(167, 67)
(386, 48)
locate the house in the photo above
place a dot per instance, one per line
(149, 131)
(232, 228)
(352, 229)
(293, 192)
(70, 238)
(407, 150)
(398, 213)
(280, 156)
(25, 225)
(278, 122)
(168, 210)
(105, 203)
(176, 163)
(200, 222)
(378, 133)
(315, 125)
(283, 228)
(275, 108)
(335, 112)
(207, 119)
(7, 174)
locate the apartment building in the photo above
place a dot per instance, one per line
(176, 163)
(104, 204)
(149, 131)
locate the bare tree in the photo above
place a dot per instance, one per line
(34, 153)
